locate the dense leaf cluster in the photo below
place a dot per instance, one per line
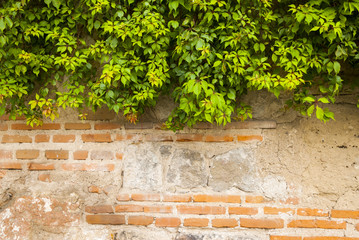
(124, 54)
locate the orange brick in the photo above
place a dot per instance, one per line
(254, 199)
(158, 209)
(106, 137)
(214, 210)
(44, 177)
(27, 154)
(16, 139)
(107, 126)
(57, 154)
(63, 138)
(285, 238)
(177, 198)
(345, 214)
(119, 156)
(357, 227)
(121, 137)
(4, 154)
(168, 222)
(312, 212)
(88, 167)
(261, 223)
(187, 137)
(106, 219)
(94, 189)
(40, 167)
(3, 127)
(326, 224)
(217, 198)
(276, 211)
(225, 138)
(158, 138)
(152, 197)
(10, 165)
(196, 222)
(123, 197)
(241, 138)
(242, 210)
(80, 155)
(224, 222)
(128, 208)
(6, 117)
(291, 200)
(45, 126)
(42, 138)
(140, 220)
(77, 126)
(99, 209)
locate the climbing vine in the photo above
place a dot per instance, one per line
(206, 54)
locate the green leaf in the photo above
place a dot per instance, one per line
(309, 99)
(320, 113)
(2, 24)
(323, 100)
(97, 24)
(232, 94)
(336, 67)
(310, 110)
(173, 5)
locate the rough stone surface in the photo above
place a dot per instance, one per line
(188, 169)
(236, 168)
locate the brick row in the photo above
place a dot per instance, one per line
(66, 166)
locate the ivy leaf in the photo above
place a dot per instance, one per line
(173, 5)
(319, 113)
(336, 67)
(2, 24)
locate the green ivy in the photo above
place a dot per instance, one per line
(124, 54)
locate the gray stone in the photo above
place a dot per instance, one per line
(235, 168)
(142, 168)
(188, 169)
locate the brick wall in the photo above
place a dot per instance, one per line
(107, 180)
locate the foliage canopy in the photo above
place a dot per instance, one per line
(206, 53)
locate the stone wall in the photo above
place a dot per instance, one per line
(279, 177)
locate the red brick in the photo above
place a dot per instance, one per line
(16, 139)
(217, 198)
(123, 197)
(77, 126)
(276, 211)
(177, 198)
(196, 222)
(158, 209)
(285, 238)
(4, 154)
(158, 138)
(94, 189)
(128, 208)
(10, 165)
(214, 210)
(102, 155)
(186, 137)
(40, 167)
(106, 137)
(119, 156)
(254, 199)
(312, 212)
(140, 220)
(57, 154)
(224, 222)
(80, 155)
(27, 154)
(261, 223)
(241, 138)
(326, 224)
(42, 138)
(168, 222)
(99, 209)
(121, 137)
(345, 214)
(3, 127)
(152, 197)
(357, 227)
(291, 200)
(88, 167)
(225, 138)
(106, 219)
(44, 177)
(63, 138)
(45, 126)
(107, 126)
(242, 210)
